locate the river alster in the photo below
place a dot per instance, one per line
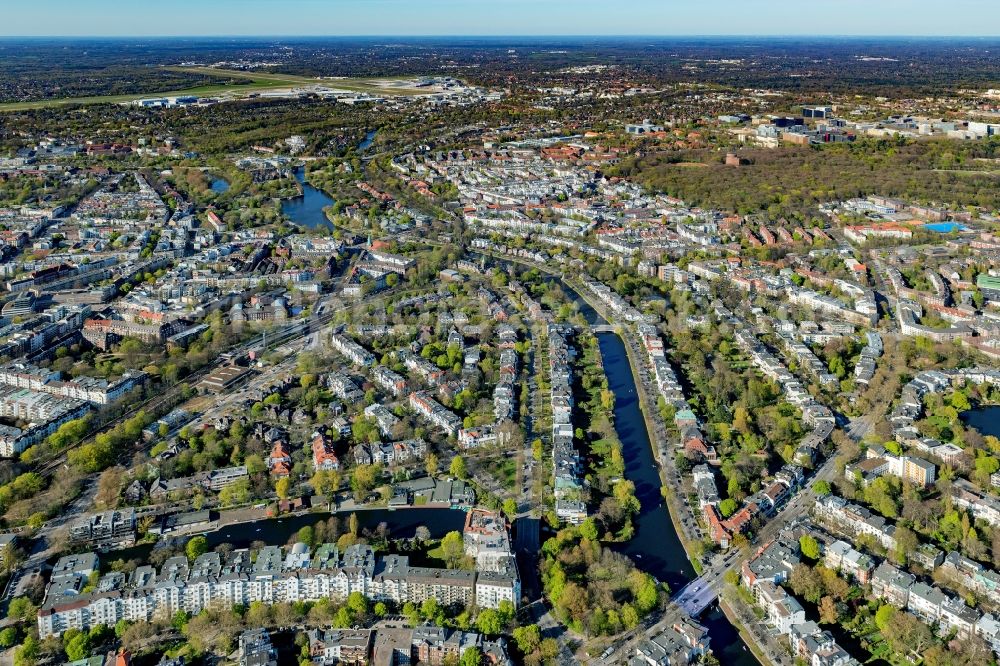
(307, 210)
(655, 547)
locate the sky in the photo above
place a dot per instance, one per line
(498, 17)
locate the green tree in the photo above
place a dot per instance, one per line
(21, 609)
(28, 653)
(471, 657)
(809, 546)
(282, 487)
(457, 468)
(822, 488)
(431, 464)
(358, 604)
(510, 507)
(196, 547)
(452, 549)
(488, 622)
(728, 507)
(588, 529)
(528, 638)
(77, 646)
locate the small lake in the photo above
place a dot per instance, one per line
(984, 419)
(307, 210)
(220, 185)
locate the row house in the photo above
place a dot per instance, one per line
(853, 564)
(388, 380)
(435, 412)
(427, 371)
(210, 583)
(354, 352)
(384, 419)
(856, 520)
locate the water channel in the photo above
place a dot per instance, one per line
(307, 210)
(655, 547)
(367, 142)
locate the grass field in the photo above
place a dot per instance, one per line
(255, 82)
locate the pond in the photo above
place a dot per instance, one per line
(220, 185)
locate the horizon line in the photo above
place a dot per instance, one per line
(513, 36)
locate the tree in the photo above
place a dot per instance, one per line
(452, 549)
(109, 487)
(457, 468)
(510, 507)
(325, 482)
(27, 654)
(196, 547)
(431, 464)
(884, 616)
(488, 622)
(809, 546)
(827, 610)
(21, 609)
(588, 529)
(906, 542)
(306, 535)
(806, 582)
(907, 636)
(235, 493)
(471, 657)
(822, 488)
(358, 604)
(282, 487)
(258, 614)
(363, 480)
(728, 507)
(528, 638)
(78, 646)
(630, 617)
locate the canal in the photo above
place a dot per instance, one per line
(307, 210)
(655, 547)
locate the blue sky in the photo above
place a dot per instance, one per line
(499, 17)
